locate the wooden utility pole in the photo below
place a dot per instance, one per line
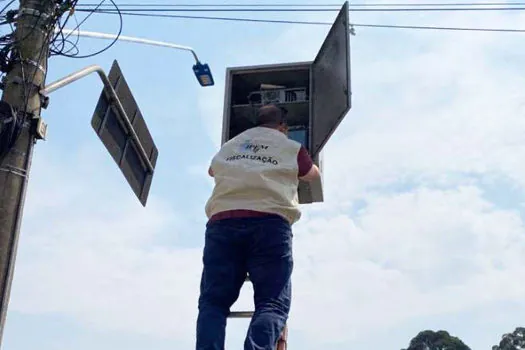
(34, 29)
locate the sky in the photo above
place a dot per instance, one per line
(422, 225)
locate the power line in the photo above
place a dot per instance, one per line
(235, 19)
(317, 9)
(465, 29)
(121, 20)
(317, 5)
(74, 45)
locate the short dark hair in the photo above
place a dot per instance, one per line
(271, 115)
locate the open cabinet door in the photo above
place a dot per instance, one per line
(331, 94)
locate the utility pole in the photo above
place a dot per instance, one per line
(35, 23)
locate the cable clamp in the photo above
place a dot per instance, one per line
(32, 12)
(15, 171)
(34, 64)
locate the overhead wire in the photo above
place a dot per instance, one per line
(74, 45)
(55, 19)
(165, 10)
(54, 50)
(338, 5)
(11, 126)
(171, 10)
(65, 39)
(6, 7)
(316, 9)
(278, 21)
(13, 120)
(12, 41)
(116, 10)
(10, 123)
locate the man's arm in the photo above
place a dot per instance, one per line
(308, 171)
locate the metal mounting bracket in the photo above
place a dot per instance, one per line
(71, 78)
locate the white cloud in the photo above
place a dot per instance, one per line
(405, 256)
(98, 260)
(405, 231)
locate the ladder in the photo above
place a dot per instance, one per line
(281, 343)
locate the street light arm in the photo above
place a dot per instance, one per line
(71, 78)
(98, 35)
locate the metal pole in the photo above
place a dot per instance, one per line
(112, 94)
(34, 29)
(98, 35)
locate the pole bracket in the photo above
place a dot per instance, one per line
(33, 12)
(60, 83)
(14, 171)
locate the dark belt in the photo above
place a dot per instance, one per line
(238, 214)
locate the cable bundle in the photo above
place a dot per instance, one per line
(10, 127)
(11, 119)
(63, 39)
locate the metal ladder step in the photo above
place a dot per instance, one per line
(282, 343)
(242, 314)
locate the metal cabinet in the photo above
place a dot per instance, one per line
(316, 94)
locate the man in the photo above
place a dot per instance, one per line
(251, 210)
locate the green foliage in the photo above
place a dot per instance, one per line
(512, 341)
(441, 340)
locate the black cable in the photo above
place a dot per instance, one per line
(6, 6)
(74, 46)
(64, 39)
(319, 5)
(13, 122)
(403, 9)
(43, 50)
(73, 51)
(9, 47)
(25, 96)
(112, 43)
(60, 33)
(5, 51)
(319, 23)
(464, 29)
(12, 127)
(168, 9)
(86, 18)
(9, 128)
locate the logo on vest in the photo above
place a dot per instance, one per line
(253, 147)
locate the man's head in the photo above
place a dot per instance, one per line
(271, 116)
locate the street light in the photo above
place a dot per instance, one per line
(203, 74)
(201, 70)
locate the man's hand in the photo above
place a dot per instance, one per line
(312, 175)
(210, 171)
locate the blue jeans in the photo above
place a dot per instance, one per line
(261, 247)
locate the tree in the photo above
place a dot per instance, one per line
(512, 341)
(440, 340)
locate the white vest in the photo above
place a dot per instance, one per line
(257, 170)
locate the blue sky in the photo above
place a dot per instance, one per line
(421, 227)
